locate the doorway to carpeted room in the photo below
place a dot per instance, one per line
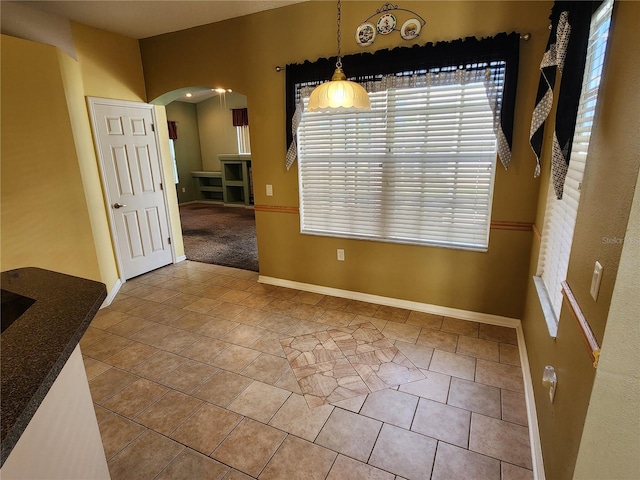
(220, 235)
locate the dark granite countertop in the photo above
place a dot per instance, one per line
(35, 347)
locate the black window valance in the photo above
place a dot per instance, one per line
(461, 53)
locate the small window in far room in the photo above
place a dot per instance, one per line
(244, 145)
(172, 147)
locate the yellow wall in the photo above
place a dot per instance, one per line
(493, 282)
(45, 222)
(608, 190)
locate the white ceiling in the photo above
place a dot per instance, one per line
(146, 18)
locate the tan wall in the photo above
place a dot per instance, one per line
(493, 282)
(187, 148)
(45, 221)
(608, 189)
(217, 133)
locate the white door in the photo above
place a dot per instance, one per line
(133, 181)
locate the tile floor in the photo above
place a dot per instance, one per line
(199, 372)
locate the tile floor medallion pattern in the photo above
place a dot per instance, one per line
(198, 371)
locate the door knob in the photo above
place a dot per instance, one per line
(118, 205)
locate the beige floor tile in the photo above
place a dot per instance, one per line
(438, 340)
(297, 459)
(131, 356)
(235, 358)
(329, 382)
(214, 291)
(93, 367)
(476, 347)
(206, 428)
(392, 314)
(404, 453)
(222, 388)
(353, 404)
(376, 322)
(253, 316)
(391, 406)
(500, 375)
(249, 447)
(244, 335)
(203, 305)
(359, 338)
(160, 295)
(425, 320)
(158, 366)
(261, 288)
(453, 364)
(435, 386)
(117, 433)
(511, 472)
(304, 311)
(277, 323)
(297, 418)
(446, 423)
(205, 350)
(461, 327)
(334, 303)
(148, 311)
(91, 336)
(181, 300)
(255, 300)
(233, 295)
(177, 341)
(304, 327)
(192, 465)
(282, 306)
(259, 401)
(385, 368)
(128, 327)
(126, 304)
(192, 321)
(133, 399)
(284, 292)
(191, 288)
(102, 413)
(310, 349)
(240, 284)
(153, 333)
(347, 468)
(419, 355)
(288, 381)
(217, 328)
(310, 298)
(266, 368)
(453, 463)
(166, 414)
(270, 343)
(189, 376)
(107, 384)
(498, 334)
(336, 318)
(348, 433)
(145, 458)
(475, 397)
(167, 315)
(227, 311)
(402, 332)
(108, 318)
(509, 354)
(514, 408)
(362, 308)
(107, 347)
(502, 440)
(236, 475)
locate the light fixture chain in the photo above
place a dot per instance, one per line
(339, 62)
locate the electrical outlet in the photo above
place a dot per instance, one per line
(269, 190)
(341, 255)
(184, 189)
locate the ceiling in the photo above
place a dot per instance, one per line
(146, 18)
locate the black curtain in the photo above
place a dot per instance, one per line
(173, 130)
(367, 66)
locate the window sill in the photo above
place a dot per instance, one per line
(547, 309)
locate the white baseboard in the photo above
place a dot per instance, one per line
(394, 302)
(112, 294)
(534, 433)
(181, 258)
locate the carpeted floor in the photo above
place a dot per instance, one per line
(220, 235)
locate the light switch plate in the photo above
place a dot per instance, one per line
(269, 190)
(595, 280)
(341, 255)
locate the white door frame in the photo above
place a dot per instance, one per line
(91, 103)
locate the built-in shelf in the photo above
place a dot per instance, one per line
(209, 185)
(237, 185)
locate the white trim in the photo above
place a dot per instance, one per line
(112, 294)
(181, 258)
(532, 415)
(547, 308)
(395, 302)
(91, 104)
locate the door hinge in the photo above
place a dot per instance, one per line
(161, 187)
(169, 240)
(153, 127)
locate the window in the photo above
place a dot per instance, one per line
(172, 148)
(417, 169)
(242, 133)
(560, 215)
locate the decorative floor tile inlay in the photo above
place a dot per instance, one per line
(346, 362)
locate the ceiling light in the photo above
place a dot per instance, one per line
(339, 94)
(189, 95)
(229, 90)
(219, 90)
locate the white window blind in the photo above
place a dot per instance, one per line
(242, 134)
(560, 215)
(418, 168)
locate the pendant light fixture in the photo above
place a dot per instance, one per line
(339, 94)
